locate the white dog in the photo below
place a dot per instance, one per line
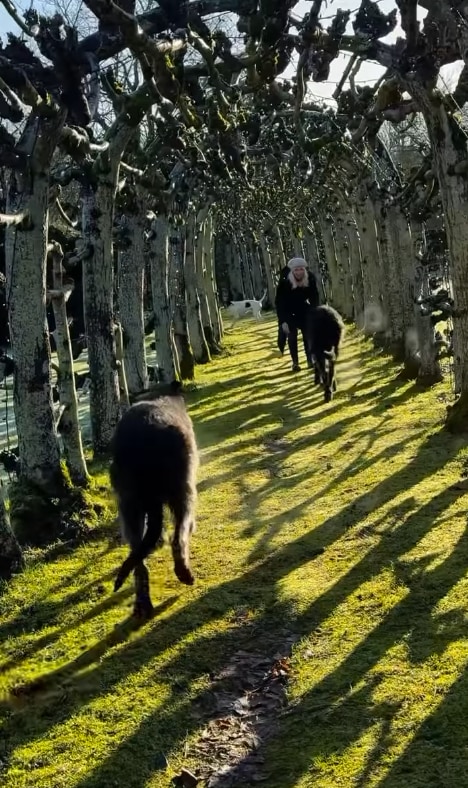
(238, 309)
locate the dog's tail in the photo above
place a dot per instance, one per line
(261, 300)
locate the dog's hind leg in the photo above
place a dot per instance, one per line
(183, 508)
(132, 518)
(133, 514)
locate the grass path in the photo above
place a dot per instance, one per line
(378, 685)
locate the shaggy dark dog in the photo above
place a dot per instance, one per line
(154, 462)
(325, 329)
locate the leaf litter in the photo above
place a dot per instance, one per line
(248, 698)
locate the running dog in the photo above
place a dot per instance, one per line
(238, 309)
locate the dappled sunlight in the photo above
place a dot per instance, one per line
(342, 525)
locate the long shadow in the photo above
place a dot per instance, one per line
(45, 612)
(257, 589)
(344, 713)
(358, 708)
(273, 528)
(436, 755)
(35, 704)
(46, 640)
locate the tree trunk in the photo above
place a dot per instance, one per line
(184, 353)
(11, 557)
(236, 284)
(277, 255)
(69, 425)
(392, 317)
(296, 242)
(337, 295)
(245, 267)
(355, 268)
(205, 314)
(160, 284)
(342, 256)
(200, 349)
(311, 256)
(404, 262)
(268, 268)
(256, 268)
(131, 276)
(372, 275)
(25, 257)
(210, 282)
(449, 152)
(98, 289)
(119, 354)
(429, 366)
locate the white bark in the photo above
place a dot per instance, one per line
(312, 257)
(26, 255)
(210, 280)
(98, 279)
(205, 315)
(297, 245)
(119, 354)
(429, 365)
(277, 253)
(183, 354)
(98, 291)
(130, 299)
(69, 422)
(355, 267)
(404, 262)
(394, 329)
(245, 266)
(256, 268)
(268, 268)
(163, 329)
(342, 256)
(449, 149)
(200, 349)
(370, 264)
(337, 295)
(236, 284)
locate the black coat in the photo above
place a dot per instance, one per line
(292, 304)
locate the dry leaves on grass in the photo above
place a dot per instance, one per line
(245, 708)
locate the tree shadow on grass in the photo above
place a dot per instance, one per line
(436, 755)
(270, 528)
(45, 612)
(35, 705)
(46, 640)
(332, 716)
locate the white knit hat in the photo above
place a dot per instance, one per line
(297, 262)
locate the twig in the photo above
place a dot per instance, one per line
(11, 10)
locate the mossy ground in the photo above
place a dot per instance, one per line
(379, 686)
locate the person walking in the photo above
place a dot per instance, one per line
(297, 292)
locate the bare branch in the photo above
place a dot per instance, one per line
(20, 220)
(10, 9)
(352, 64)
(64, 215)
(19, 82)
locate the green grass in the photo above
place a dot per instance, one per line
(378, 685)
